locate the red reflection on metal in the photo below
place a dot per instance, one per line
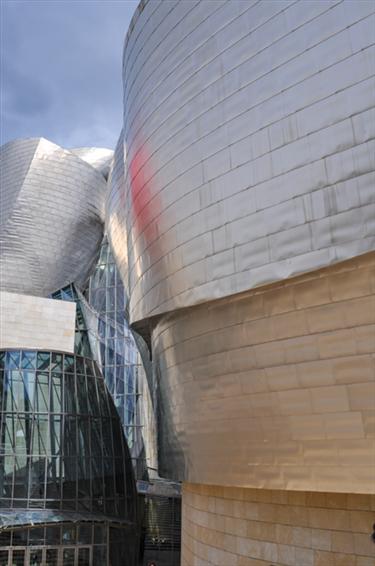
(145, 204)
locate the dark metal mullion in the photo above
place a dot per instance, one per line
(63, 466)
(76, 433)
(48, 442)
(100, 419)
(110, 412)
(88, 457)
(3, 428)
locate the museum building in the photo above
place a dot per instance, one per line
(247, 209)
(238, 212)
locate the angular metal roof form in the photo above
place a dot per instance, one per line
(98, 157)
(51, 223)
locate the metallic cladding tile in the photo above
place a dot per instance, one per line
(253, 118)
(246, 159)
(274, 389)
(52, 217)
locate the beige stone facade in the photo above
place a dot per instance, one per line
(36, 323)
(225, 526)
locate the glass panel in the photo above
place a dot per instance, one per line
(28, 360)
(55, 434)
(68, 534)
(93, 400)
(69, 478)
(51, 557)
(5, 538)
(20, 537)
(120, 298)
(36, 557)
(41, 444)
(83, 436)
(43, 360)
(56, 394)
(13, 360)
(111, 296)
(89, 368)
(29, 389)
(84, 557)
(3, 557)
(36, 537)
(15, 396)
(68, 557)
(18, 558)
(53, 481)
(100, 300)
(79, 365)
(69, 364)
(57, 362)
(41, 396)
(84, 534)
(70, 394)
(99, 555)
(70, 436)
(53, 535)
(82, 394)
(20, 477)
(103, 253)
(37, 477)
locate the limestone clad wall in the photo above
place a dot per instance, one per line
(225, 526)
(36, 323)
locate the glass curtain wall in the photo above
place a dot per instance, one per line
(67, 544)
(117, 353)
(62, 446)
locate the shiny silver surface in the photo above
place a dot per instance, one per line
(248, 134)
(98, 157)
(51, 217)
(242, 219)
(114, 213)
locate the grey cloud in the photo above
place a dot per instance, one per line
(62, 77)
(24, 94)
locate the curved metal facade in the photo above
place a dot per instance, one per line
(274, 388)
(98, 157)
(52, 215)
(248, 134)
(246, 202)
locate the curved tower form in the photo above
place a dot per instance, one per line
(247, 209)
(51, 222)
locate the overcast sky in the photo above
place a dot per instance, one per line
(61, 70)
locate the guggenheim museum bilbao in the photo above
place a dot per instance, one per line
(238, 217)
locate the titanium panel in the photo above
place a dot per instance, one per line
(248, 147)
(51, 225)
(98, 157)
(274, 388)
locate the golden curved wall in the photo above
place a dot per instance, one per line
(224, 526)
(274, 388)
